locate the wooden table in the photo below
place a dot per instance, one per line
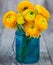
(7, 57)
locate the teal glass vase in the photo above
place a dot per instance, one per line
(27, 49)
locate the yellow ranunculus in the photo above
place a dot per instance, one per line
(31, 30)
(9, 19)
(29, 15)
(41, 23)
(25, 0)
(40, 9)
(20, 19)
(22, 6)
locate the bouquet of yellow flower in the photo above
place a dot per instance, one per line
(32, 19)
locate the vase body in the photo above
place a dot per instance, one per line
(27, 49)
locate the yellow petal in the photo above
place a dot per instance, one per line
(9, 19)
(22, 6)
(42, 11)
(41, 23)
(20, 19)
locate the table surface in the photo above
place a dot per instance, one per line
(7, 57)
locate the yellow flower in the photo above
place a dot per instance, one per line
(22, 6)
(29, 15)
(41, 22)
(42, 11)
(31, 30)
(25, 0)
(9, 19)
(20, 19)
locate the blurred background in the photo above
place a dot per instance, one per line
(6, 44)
